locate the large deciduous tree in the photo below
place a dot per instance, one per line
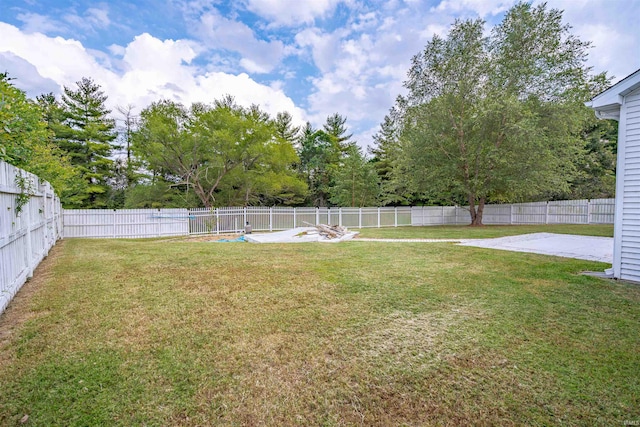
(267, 177)
(223, 150)
(496, 118)
(26, 141)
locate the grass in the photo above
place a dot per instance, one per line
(484, 232)
(123, 332)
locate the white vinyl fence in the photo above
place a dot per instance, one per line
(25, 236)
(594, 211)
(133, 223)
(95, 223)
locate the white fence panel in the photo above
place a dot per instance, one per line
(601, 211)
(496, 214)
(25, 236)
(596, 211)
(304, 216)
(529, 213)
(569, 212)
(128, 223)
(167, 222)
(283, 218)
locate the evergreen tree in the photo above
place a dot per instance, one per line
(394, 188)
(335, 127)
(86, 135)
(318, 151)
(356, 182)
(285, 129)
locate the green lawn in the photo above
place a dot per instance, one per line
(484, 232)
(123, 332)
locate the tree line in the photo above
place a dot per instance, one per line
(172, 155)
(488, 117)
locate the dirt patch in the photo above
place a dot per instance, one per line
(403, 337)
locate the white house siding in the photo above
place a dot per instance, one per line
(630, 236)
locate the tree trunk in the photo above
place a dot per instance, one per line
(476, 214)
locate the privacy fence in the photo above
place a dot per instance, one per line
(30, 224)
(594, 211)
(176, 222)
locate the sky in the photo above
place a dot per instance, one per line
(311, 58)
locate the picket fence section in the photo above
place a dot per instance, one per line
(134, 223)
(25, 236)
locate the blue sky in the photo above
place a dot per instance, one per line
(309, 57)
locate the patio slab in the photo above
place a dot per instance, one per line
(589, 248)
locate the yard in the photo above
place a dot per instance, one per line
(173, 332)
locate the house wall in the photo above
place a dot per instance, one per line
(627, 244)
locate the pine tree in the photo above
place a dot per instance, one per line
(86, 135)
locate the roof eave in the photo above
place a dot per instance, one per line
(613, 96)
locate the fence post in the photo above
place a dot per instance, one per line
(511, 214)
(158, 222)
(318, 216)
(29, 254)
(114, 223)
(271, 218)
(378, 217)
(395, 216)
(244, 217)
(45, 232)
(588, 211)
(359, 217)
(294, 218)
(340, 217)
(546, 213)
(217, 221)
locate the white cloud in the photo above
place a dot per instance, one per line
(434, 29)
(258, 56)
(92, 19)
(481, 7)
(64, 61)
(324, 46)
(362, 71)
(291, 12)
(98, 16)
(152, 69)
(34, 22)
(604, 55)
(26, 75)
(148, 53)
(366, 21)
(612, 29)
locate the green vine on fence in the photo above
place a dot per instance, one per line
(23, 182)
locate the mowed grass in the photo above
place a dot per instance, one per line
(484, 232)
(123, 332)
